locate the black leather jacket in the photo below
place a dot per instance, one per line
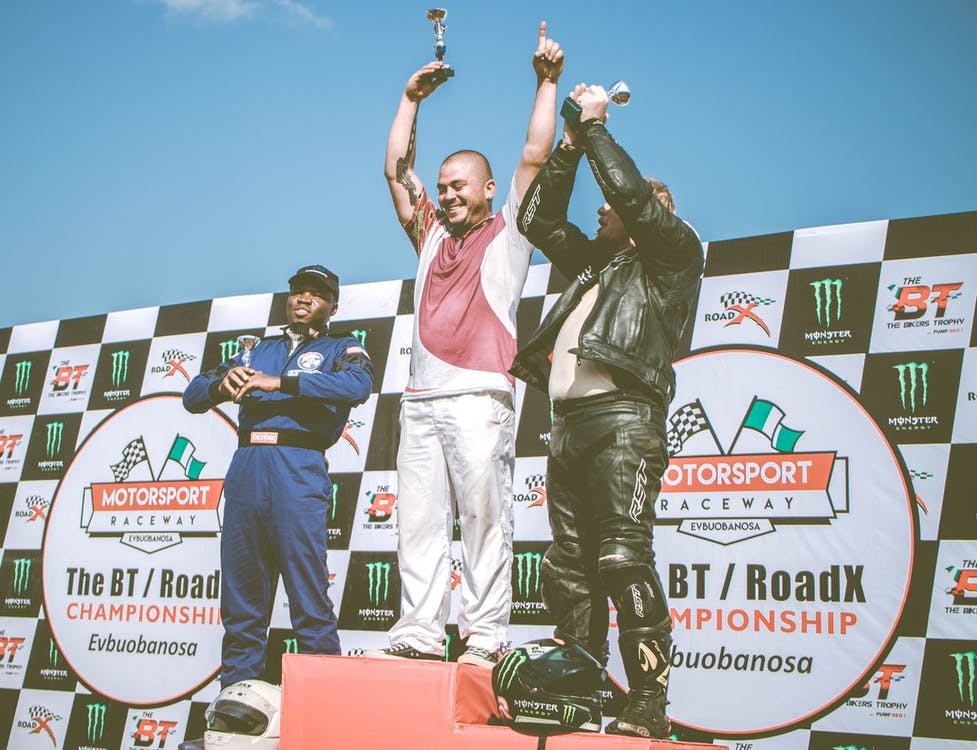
(646, 294)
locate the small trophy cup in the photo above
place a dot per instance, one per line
(618, 93)
(247, 342)
(437, 16)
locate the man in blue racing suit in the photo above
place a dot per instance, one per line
(295, 398)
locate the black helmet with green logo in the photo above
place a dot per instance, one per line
(549, 683)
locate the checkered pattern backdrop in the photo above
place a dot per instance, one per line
(886, 307)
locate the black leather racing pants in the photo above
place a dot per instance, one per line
(606, 458)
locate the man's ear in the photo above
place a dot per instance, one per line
(490, 189)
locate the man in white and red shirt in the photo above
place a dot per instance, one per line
(456, 441)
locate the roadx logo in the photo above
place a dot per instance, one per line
(42, 721)
(739, 307)
(35, 510)
(726, 498)
(128, 509)
(173, 361)
(349, 432)
(535, 495)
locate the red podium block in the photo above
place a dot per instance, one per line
(366, 704)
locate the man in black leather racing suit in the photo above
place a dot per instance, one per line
(604, 354)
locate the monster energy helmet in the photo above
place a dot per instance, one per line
(549, 683)
(245, 715)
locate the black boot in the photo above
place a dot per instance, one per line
(644, 716)
(645, 653)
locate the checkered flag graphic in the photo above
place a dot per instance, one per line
(743, 298)
(684, 423)
(171, 355)
(535, 480)
(132, 455)
(42, 712)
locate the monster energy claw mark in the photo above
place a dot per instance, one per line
(528, 568)
(228, 349)
(966, 674)
(22, 575)
(55, 430)
(96, 721)
(569, 714)
(290, 645)
(359, 335)
(827, 291)
(22, 377)
(120, 367)
(912, 374)
(379, 573)
(509, 667)
(52, 653)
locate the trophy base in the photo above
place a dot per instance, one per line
(570, 111)
(442, 74)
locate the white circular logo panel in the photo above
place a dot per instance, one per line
(784, 540)
(131, 552)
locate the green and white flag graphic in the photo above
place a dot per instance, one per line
(182, 452)
(766, 417)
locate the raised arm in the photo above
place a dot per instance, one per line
(659, 234)
(548, 65)
(405, 186)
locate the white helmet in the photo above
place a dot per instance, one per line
(246, 715)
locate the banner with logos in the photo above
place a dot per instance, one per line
(816, 533)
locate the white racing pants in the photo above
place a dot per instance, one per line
(455, 451)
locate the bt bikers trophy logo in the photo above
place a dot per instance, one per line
(793, 522)
(131, 552)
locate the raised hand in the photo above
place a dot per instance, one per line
(424, 81)
(548, 58)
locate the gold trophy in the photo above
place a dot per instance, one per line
(437, 16)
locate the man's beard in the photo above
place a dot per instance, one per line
(300, 328)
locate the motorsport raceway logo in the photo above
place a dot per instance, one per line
(787, 523)
(131, 552)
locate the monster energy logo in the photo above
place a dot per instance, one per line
(22, 575)
(965, 675)
(22, 377)
(53, 655)
(911, 376)
(847, 747)
(569, 714)
(527, 569)
(55, 431)
(120, 367)
(96, 721)
(359, 335)
(335, 500)
(228, 349)
(379, 580)
(509, 666)
(290, 645)
(827, 294)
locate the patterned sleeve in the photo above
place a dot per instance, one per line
(425, 216)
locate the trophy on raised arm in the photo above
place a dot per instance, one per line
(619, 93)
(247, 342)
(437, 16)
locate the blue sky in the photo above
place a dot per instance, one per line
(163, 151)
